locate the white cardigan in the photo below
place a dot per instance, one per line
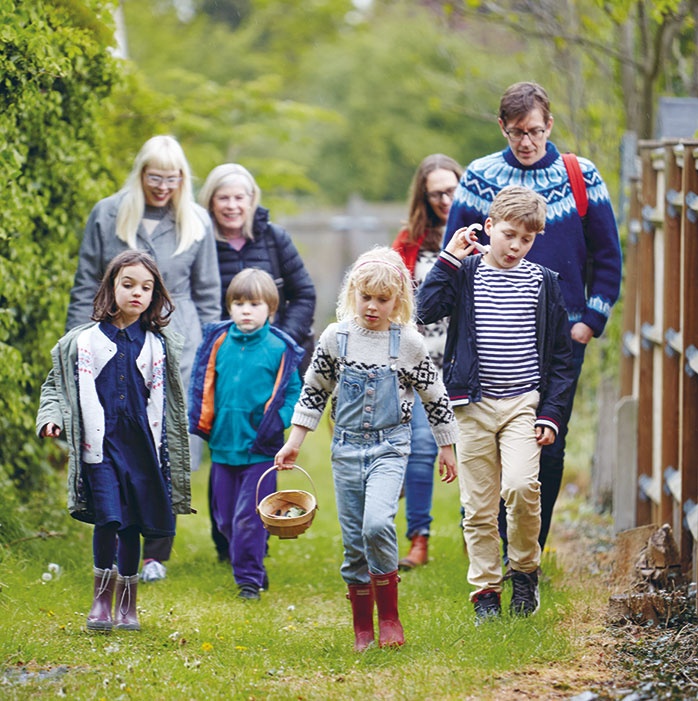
(95, 350)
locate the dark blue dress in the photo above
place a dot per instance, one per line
(128, 487)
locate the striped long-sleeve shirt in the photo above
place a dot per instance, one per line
(505, 318)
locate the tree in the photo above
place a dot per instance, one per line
(651, 45)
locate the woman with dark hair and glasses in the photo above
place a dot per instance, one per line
(419, 242)
(155, 212)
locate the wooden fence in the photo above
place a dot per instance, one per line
(657, 415)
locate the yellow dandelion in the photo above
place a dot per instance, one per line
(240, 647)
(206, 647)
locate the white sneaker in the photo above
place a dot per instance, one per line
(152, 571)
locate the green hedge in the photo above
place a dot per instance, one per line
(56, 78)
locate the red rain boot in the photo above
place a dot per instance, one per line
(385, 592)
(125, 613)
(99, 617)
(361, 597)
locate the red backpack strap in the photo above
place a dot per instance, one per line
(579, 189)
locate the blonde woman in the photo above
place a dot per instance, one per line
(155, 212)
(369, 365)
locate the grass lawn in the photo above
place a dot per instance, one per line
(199, 641)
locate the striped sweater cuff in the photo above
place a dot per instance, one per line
(450, 260)
(547, 421)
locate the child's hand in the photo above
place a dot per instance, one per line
(285, 459)
(50, 430)
(447, 463)
(460, 244)
(545, 435)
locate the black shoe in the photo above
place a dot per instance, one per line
(265, 583)
(525, 599)
(248, 591)
(487, 605)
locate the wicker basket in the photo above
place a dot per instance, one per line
(273, 507)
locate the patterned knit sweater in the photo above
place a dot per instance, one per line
(565, 246)
(369, 349)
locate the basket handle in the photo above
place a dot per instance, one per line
(273, 467)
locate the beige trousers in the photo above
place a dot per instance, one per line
(498, 456)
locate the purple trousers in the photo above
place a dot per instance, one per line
(234, 504)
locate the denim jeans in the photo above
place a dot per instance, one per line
(368, 469)
(419, 477)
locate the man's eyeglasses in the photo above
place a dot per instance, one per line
(517, 135)
(170, 182)
(438, 195)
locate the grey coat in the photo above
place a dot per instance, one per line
(191, 277)
(60, 405)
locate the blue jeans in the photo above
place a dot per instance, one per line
(419, 477)
(368, 469)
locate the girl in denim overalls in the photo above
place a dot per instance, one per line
(369, 365)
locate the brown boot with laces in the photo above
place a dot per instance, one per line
(418, 554)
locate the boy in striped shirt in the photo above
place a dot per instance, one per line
(508, 370)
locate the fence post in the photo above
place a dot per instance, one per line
(652, 157)
(688, 431)
(670, 282)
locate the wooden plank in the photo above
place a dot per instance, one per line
(628, 364)
(688, 400)
(671, 323)
(646, 312)
(625, 485)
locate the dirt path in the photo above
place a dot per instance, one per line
(584, 545)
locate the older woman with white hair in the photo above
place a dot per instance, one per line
(155, 212)
(246, 238)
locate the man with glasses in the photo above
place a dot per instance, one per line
(585, 253)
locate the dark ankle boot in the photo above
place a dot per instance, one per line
(125, 613)
(99, 617)
(361, 597)
(385, 592)
(418, 554)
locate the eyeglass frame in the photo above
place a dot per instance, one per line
(170, 182)
(524, 132)
(438, 195)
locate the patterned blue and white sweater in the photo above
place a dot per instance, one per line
(563, 247)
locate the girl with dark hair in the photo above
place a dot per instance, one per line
(115, 388)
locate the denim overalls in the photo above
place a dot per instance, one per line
(370, 448)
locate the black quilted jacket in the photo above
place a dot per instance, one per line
(273, 250)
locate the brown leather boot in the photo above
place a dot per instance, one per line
(361, 598)
(125, 613)
(385, 592)
(99, 617)
(418, 554)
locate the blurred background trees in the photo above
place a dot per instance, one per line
(320, 99)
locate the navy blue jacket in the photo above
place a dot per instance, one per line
(273, 250)
(448, 291)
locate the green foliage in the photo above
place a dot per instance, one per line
(405, 87)
(56, 71)
(331, 104)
